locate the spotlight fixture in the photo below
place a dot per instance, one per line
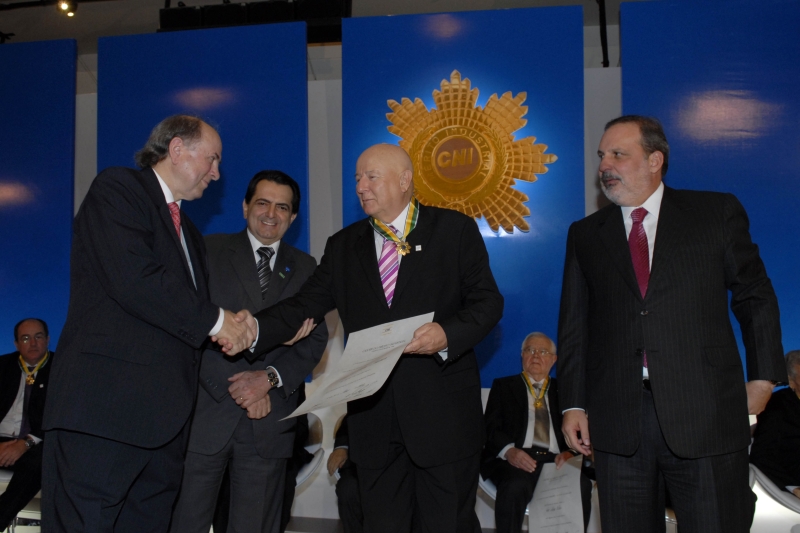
(68, 7)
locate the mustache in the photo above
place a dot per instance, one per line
(606, 176)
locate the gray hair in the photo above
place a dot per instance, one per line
(541, 335)
(186, 127)
(793, 363)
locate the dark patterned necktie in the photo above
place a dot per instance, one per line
(264, 271)
(541, 424)
(640, 254)
(25, 426)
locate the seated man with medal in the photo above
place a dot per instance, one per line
(23, 386)
(523, 426)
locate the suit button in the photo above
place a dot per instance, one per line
(644, 312)
(639, 352)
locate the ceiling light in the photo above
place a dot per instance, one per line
(67, 7)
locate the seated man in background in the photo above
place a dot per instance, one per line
(776, 441)
(523, 422)
(347, 494)
(23, 386)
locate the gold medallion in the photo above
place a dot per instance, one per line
(403, 248)
(466, 157)
(538, 403)
(29, 380)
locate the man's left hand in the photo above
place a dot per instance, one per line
(249, 387)
(429, 338)
(562, 458)
(11, 451)
(259, 409)
(759, 392)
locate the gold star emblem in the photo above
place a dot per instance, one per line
(466, 157)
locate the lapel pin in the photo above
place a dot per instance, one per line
(418, 248)
(281, 275)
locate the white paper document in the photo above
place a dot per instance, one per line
(556, 504)
(367, 361)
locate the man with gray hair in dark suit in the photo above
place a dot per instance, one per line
(649, 370)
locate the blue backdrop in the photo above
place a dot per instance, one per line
(250, 83)
(37, 146)
(537, 51)
(725, 81)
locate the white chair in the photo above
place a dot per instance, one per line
(787, 499)
(313, 446)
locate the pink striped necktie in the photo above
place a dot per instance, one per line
(640, 254)
(388, 266)
(175, 211)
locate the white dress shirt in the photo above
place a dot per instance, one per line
(528, 442)
(650, 224)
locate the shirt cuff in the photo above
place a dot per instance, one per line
(443, 354)
(502, 454)
(253, 346)
(573, 409)
(37, 440)
(218, 325)
(278, 374)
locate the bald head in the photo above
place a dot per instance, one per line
(384, 181)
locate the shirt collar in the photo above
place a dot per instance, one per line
(255, 244)
(400, 221)
(168, 196)
(652, 204)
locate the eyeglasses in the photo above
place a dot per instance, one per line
(534, 351)
(25, 339)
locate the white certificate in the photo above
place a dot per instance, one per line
(556, 504)
(367, 361)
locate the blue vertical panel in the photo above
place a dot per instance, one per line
(538, 52)
(725, 81)
(37, 161)
(250, 83)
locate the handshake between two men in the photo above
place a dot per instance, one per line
(240, 332)
(250, 389)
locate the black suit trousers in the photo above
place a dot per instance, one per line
(515, 489)
(99, 485)
(708, 494)
(24, 485)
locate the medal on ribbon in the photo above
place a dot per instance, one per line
(403, 248)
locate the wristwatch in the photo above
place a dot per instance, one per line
(272, 377)
(29, 442)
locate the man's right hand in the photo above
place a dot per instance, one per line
(576, 421)
(521, 460)
(336, 459)
(305, 330)
(238, 332)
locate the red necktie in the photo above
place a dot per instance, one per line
(640, 252)
(175, 211)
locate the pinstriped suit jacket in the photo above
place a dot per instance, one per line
(703, 253)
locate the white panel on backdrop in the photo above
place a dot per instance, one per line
(602, 101)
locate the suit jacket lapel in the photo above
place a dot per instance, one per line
(281, 274)
(243, 262)
(368, 257)
(147, 177)
(612, 233)
(674, 222)
(418, 237)
(520, 393)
